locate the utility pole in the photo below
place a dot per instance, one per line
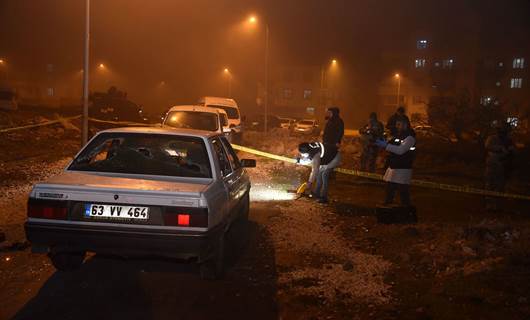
(84, 134)
(398, 89)
(266, 76)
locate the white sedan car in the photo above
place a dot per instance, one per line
(142, 191)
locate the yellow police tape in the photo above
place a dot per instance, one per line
(47, 123)
(414, 182)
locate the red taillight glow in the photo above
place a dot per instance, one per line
(183, 220)
(196, 218)
(47, 212)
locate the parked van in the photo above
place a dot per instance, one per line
(198, 118)
(232, 111)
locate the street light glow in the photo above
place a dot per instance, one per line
(252, 19)
(226, 70)
(101, 66)
(334, 61)
(397, 75)
(2, 61)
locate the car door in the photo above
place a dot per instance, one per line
(225, 170)
(239, 182)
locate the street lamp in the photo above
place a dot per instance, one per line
(254, 20)
(398, 77)
(101, 66)
(4, 65)
(228, 75)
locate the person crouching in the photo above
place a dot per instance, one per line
(323, 158)
(401, 153)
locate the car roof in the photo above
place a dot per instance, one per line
(195, 108)
(225, 102)
(163, 130)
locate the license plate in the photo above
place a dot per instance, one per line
(115, 211)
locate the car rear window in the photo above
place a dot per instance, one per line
(146, 154)
(232, 113)
(207, 121)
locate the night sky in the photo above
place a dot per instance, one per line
(186, 44)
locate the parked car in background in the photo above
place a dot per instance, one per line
(232, 111)
(306, 127)
(115, 107)
(142, 192)
(8, 99)
(257, 122)
(198, 118)
(287, 123)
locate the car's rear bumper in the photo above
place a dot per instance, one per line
(121, 241)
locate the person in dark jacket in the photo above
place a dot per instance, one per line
(323, 159)
(401, 153)
(391, 123)
(334, 130)
(371, 132)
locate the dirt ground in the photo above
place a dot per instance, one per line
(298, 260)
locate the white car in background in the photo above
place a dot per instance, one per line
(232, 111)
(142, 191)
(306, 127)
(287, 123)
(198, 118)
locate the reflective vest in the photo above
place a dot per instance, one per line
(327, 151)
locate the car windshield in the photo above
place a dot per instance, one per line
(145, 154)
(207, 121)
(230, 111)
(285, 120)
(309, 122)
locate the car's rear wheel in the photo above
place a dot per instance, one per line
(213, 268)
(67, 261)
(243, 215)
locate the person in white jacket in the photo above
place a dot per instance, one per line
(401, 153)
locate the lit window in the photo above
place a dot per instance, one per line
(501, 64)
(498, 83)
(50, 92)
(448, 63)
(513, 121)
(516, 83)
(419, 63)
(287, 93)
(437, 64)
(307, 94)
(421, 44)
(518, 63)
(485, 100)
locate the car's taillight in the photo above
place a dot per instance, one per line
(196, 218)
(47, 209)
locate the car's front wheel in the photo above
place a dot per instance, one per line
(67, 261)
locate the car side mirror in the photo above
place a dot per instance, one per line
(248, 163)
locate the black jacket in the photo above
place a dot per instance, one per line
(391, 123)
(334, 131)
(403, 161)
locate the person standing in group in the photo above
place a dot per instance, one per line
(401, 153)
(499, 161)
(323, 159)
(334, 130)
(391, 123)
(370, 133)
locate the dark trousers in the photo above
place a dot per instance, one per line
(404, 193)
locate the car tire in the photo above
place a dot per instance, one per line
(67, 261)
(213, 268)
(245, 209)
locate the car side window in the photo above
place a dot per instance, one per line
(222, 157)
(232, 156)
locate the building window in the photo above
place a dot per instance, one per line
(516, 83)
(498, 83)
(421, 44)
(518, 63)
(501, 64)
(307, 94)
(448, 63)
(287, 93)
(419, 63)
(417, 100)
(50, 92)
(437, 64)
(486, 100)
(513, 121)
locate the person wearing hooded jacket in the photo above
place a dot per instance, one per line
(334, 130)
(323, 158)
(401, 153)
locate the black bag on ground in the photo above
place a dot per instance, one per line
(396, 215)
